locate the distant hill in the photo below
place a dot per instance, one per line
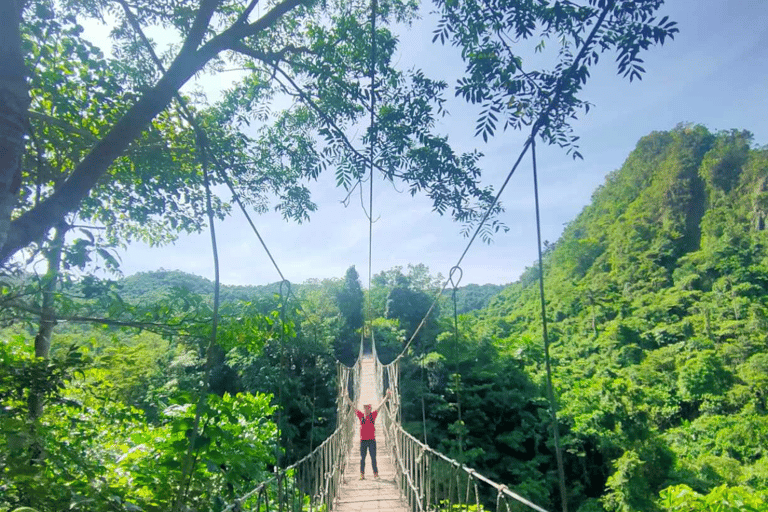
(148, 286)
(473, 297)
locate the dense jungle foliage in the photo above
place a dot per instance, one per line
(656, 303)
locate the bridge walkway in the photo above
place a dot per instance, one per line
(370, 494)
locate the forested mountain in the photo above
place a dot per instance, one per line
(475, 296)
(657, 303)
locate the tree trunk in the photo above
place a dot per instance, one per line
(14, 103)
(48, 313)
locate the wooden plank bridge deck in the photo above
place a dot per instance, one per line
(370, 494)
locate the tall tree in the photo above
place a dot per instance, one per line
(14, 101)
(349, 299)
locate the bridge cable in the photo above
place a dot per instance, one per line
(223, 175)
(314, 398)
(423, 409)
(455, 285)
(559, 88)
(469, 244)
(236, 196)
(372, 128)
(189, 459)
(201, 143)
(550, 390)
(283, 299)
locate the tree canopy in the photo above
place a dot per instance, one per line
(112, 133)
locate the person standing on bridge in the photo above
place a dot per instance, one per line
(368, 433)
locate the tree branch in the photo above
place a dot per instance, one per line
(199, 26)
(238, 32)
(147, 326)
(45, 118)
(243, 18)
(33, 223)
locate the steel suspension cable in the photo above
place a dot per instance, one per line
(372, 129)
(223, 175)
(567, 77)
(471, 240)
(550, 388)
(314, 399)
(456, 344)
(280, 432)
(189, 459)
(239, 202)
(423, 408)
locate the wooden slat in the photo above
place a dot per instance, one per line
(370, 494)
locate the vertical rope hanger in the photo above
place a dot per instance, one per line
(455, 285)
(374, 5)
(550, 390)
(185, 479)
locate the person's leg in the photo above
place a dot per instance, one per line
(372, 448)
(363, 447)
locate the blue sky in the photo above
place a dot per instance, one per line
(714, 73)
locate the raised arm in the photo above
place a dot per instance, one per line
(386, 397)
(349, 402)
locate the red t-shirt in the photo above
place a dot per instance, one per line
(367, 427)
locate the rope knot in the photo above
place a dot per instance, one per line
(455, 284)
(287, 285)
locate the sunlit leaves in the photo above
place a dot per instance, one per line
(681, 498)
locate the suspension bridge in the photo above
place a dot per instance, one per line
(412, 476)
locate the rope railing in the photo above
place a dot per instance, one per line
(429, 480)
(313, 482)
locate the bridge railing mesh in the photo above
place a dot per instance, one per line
(429, 480)
(312, 483)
